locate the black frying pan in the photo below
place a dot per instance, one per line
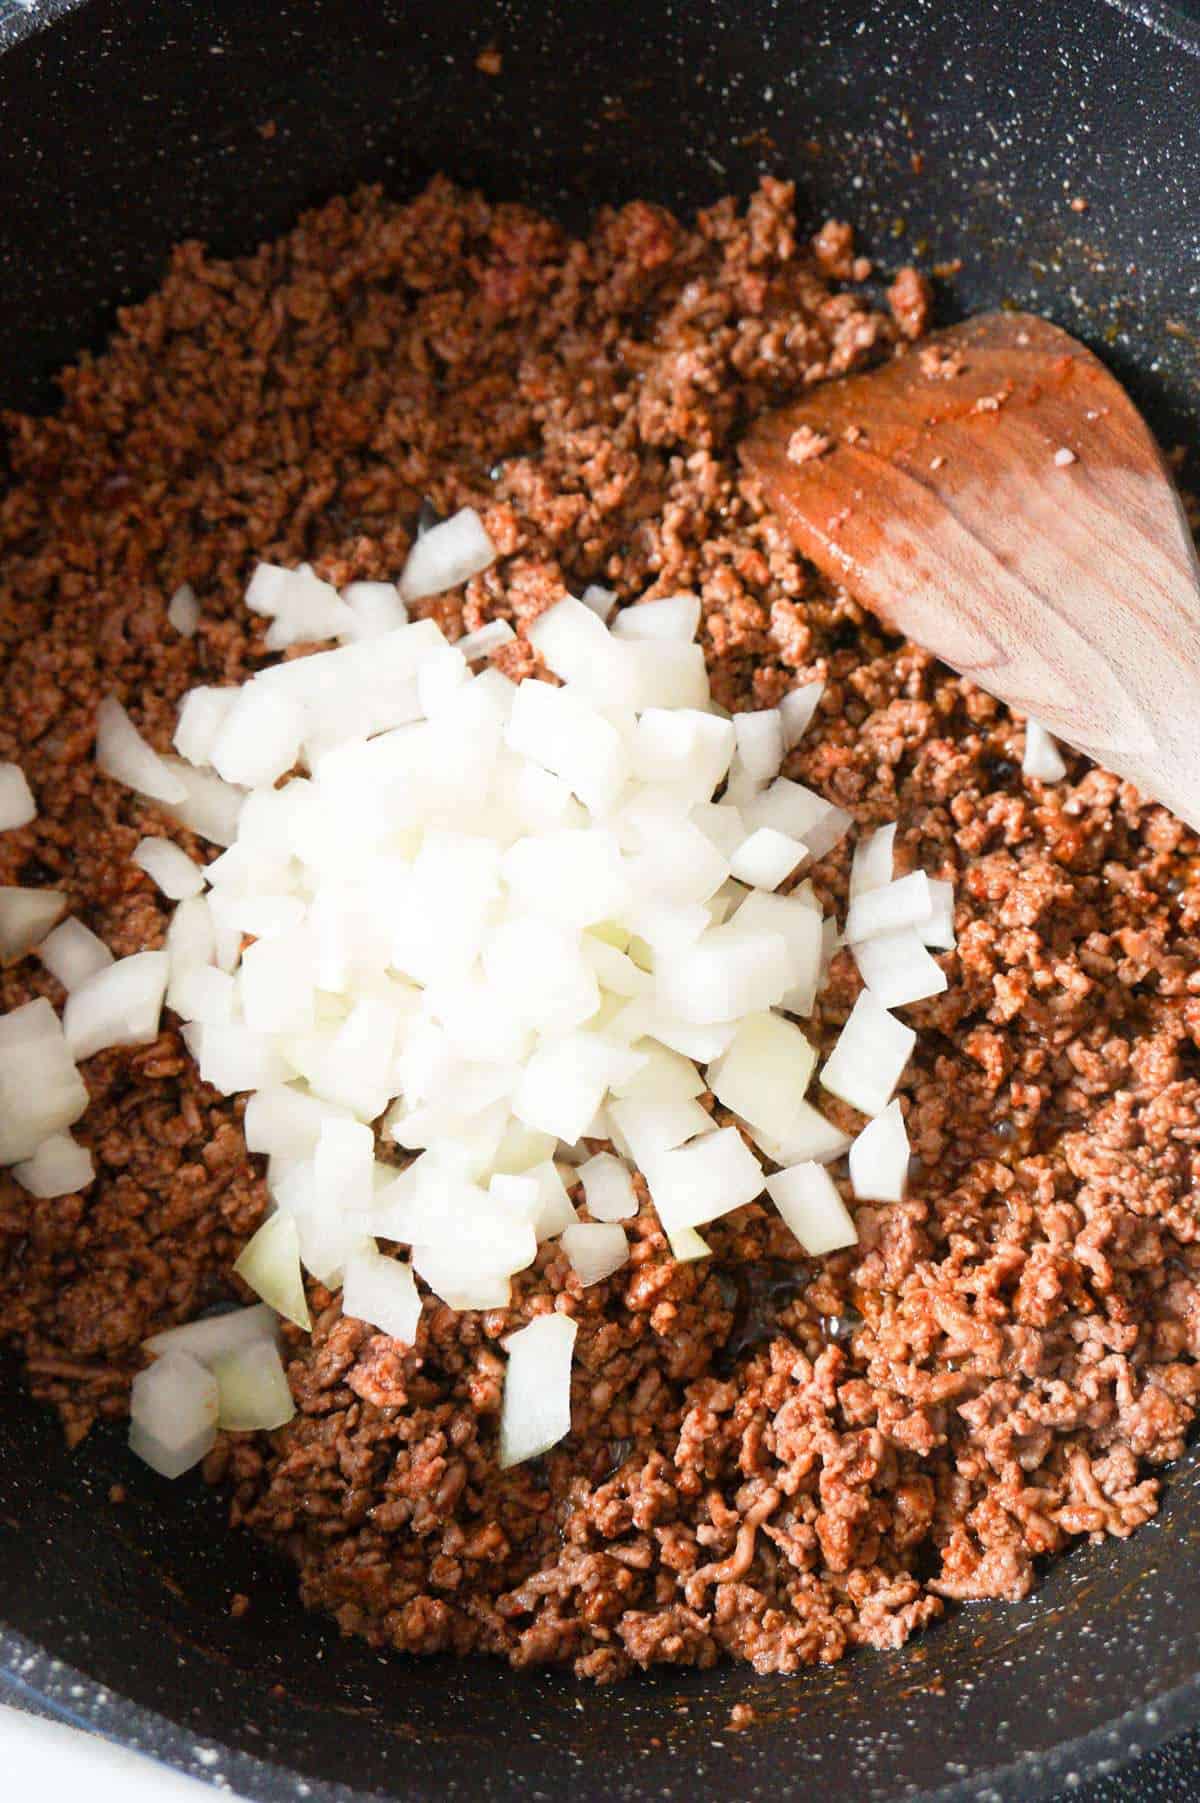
(126, 124)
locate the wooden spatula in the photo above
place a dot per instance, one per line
(994, 494)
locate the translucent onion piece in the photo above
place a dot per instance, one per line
(879, 1158)
(270, 1264)
(26, 917)
(808, 1200)
(173, 1414)
(536, 1411)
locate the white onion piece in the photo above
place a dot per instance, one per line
(259, 738)
(682, 749)
(719, 821)
(210, 807)
(485, 639)
(382, 1292)
(183, 610)
(270, 1264)
(173, 1414)
(1042, 757)
(870, 1055)
(536, 1411)
(686, 1244)
(73, 954)
(759, 739)
(644, 1129)
(200, 992)
(201, 717)
(897, 969)
(938, 931)
(216, 1334)
(602, 601)
(447, 555)
(801, 813)
(305, 610)
(119, 1006)
(59, 1167)
(728, 972)
(800, 925)
(569, 738)
(41, 1092)
(798, 709)
(574, 877)
(872, 863)
(565, 1080)
(810, 1138)
(26, 917)
(709, 1177)
(521, 1148)
(232, 1058)
(596, 1249)
(808, 1200)
(765, 1072)
(190, 938)
(672, 617)
(608, 1188)
(377, 608)
(665, 1076)
(903, 903)
(123, 755)
(252, 1389)
(168, 866)
(17, 806)
(344, 1166)
(879, 1158)
(766, 858)
(474, 1255)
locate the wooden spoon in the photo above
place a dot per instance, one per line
(994, 494)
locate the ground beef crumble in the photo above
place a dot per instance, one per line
(772, 1458)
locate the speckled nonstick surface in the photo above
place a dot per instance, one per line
(125, 125)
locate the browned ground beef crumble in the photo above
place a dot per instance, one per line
(772, 1458)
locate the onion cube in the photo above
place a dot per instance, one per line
(168, 866)
(679, 866)
(683, 749)
(642, 1130)
(210, 806)
(709, 1177)
(879, 1158)
(305, 610)
(540, 975)
(572, 740)
(871, 865)
(596, 1249)
(686, 1245)
(602, 601)
(729, 971)
(26, 917)
(766, 858)
(59, 1167)
(808, 1200)
(1042, 757)
(536, 1411)
(759, 738)
(663, 673)
(866, 1063)
(119, 1005)
(897, 969)
(252, 1388)
(207, 1339)
(765, 1072)
(810, 1138)
(608, 1188)
(183, 610)
(573, 877)
(564, 1082)
(270, 1264)
(377, 608)
(17, 806)
(73, 953)
(41, 1092)
(670, 617)
(201, 717)
(800, 925)
(259, 738)
(232, 1058)
(173, 1414)
(903, 903)
(275, 983)
(484, 640)
(447, 555)
(382, 1292)
(540, 1194)
(938, 930)
(344, 1166)
(521, 1148)
(797, 710)
(123, 754)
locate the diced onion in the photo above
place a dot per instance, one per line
(797, 711)
(766, 858)
(698, 1182)
(536, 1411)
(866, 1063)
(879, 1158)
(383, 1293)
(270, 1264)
(485, 640)
(1042, 757)
(608, 1187)
(897, 969)
(209, 1338)
(17, 806)
(674, 617)
(377, 608)
(119, 1005)
(938, 931)
(252, 1388)
(446, 555)
(596, 1249)
(810, 1138)
(173, 1414)
(123, 754)
(167, 865)
(41, 1092)
(59, 1167)
(903, 903)
(765, 1072)
(872, 863)
(183, 610)
(807, 1198)
(26, 917)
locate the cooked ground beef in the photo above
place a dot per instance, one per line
(771, 1458)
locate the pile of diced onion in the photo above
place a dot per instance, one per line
(487, 927)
